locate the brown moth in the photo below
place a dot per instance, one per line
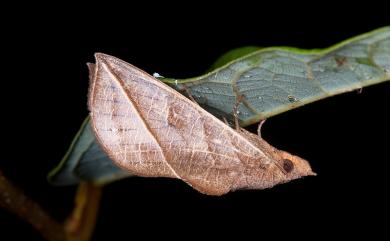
(152, 130)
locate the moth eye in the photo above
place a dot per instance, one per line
(288, 165)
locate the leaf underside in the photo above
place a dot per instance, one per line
(85, 161)
(275, 80)
(271, 81)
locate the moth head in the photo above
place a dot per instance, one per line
(293, 166)
(286, 165)
(281, 167)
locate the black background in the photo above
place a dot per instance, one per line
(43, 99)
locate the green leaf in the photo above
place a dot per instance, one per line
(271, 80)
(275, 80)
(232, 55)
(85, 161)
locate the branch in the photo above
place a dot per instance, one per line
(78, 227)
(13, 199)
(81, 222)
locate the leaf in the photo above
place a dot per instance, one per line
(275, 80)
(232, 55)
(368, 54)
(85, 161)
(152, 130)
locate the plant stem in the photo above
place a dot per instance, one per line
(78, 227)
(13, 199)
(81, 222)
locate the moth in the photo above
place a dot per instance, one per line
(151, 130)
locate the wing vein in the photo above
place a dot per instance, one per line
(121, 84)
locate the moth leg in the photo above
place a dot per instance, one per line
(185, 88)
(259, 127)
(236, 112)
(224, 120)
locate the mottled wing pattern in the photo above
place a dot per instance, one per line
(152, 130)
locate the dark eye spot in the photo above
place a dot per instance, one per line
(288, 165)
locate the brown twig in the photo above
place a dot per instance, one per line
(13, 199)
(81, 222)
(78, 227)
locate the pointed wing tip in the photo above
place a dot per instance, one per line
(91, 69)
(106, 59)
(100, 57)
